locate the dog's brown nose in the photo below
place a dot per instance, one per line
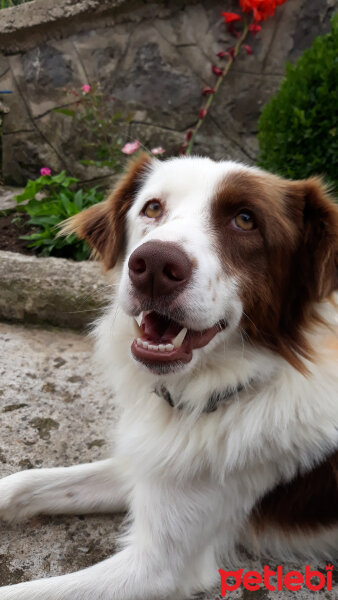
(159, 268)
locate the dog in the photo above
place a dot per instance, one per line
(221, 345)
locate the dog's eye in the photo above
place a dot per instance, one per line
(245, 221)
(153, 209)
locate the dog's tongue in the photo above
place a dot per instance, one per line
(159, 329)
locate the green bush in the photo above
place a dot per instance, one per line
(298, 128)
(60, 199)
(10, 3)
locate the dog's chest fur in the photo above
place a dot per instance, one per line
(274, 438)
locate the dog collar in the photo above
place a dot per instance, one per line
(214, 400)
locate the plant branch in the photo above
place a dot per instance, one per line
(220, 80)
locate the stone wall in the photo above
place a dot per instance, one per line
(154, 57)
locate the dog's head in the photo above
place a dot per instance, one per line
(208, 249)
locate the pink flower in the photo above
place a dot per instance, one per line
(222, 54)
(45, 171)
(86, 88)
(247, 48)
(158, 150)
(202, 114)
(131, 147)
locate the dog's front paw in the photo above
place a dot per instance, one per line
(17, 493)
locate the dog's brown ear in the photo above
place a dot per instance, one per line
(103, 225)
(309, 267)
(316, 259)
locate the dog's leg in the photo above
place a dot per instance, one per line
(170, 554)
(86, 488)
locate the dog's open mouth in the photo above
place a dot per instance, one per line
(163, 340)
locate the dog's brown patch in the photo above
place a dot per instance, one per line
(309, 501)
(287, 263)
(103, 225)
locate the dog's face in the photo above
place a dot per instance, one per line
(210, 249)
(172, 272)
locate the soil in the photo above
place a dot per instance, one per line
(10, 233)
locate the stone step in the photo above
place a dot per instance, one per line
(7, 194)
(55, 291)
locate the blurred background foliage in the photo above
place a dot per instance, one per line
(9, 3)
(298, 128)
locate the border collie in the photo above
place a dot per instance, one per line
(221, 346)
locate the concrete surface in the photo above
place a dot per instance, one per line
(55, 291)
(54, 411)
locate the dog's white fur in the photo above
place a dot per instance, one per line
(189, 479)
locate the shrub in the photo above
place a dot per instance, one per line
(298, 128)
(61, 199)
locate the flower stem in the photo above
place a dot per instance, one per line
(210, 100)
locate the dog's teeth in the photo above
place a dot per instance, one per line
(152, 347)
(137, 329)
(138, 319)
(177, 342)
(169, 347)
(161, 347)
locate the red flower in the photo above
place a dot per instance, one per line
(262, 9)
(188, 135)
(217, 71)
(247, 48)
(232, 52)
(231, 17)
(222, 54)
(207, 90)
(233, 30)
(254, 28)
(202, 114)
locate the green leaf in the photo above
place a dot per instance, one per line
(44, 220)
(65, 111)
(31, 189)
(78, 200)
